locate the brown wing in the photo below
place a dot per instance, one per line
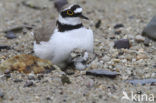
(45, 32)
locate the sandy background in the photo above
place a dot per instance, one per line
(133, 14)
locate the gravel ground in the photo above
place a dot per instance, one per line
(138, 62)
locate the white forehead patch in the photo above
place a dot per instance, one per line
(68, 7)
(78, 10)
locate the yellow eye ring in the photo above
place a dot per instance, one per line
(69, 12)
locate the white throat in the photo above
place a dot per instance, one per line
(69, 20)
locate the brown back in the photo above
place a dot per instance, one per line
(45, 32)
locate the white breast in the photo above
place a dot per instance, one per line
(62, 43)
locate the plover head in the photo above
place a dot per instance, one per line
(71, 17)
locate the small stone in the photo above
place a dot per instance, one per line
(113, 37)
(10, 35)
(7, 75)
(98, 24)
(143, 81)
(141, 56)
(146, 42)
(117, 26)
(139, 38)
(131, 17)
(120, 53)
(7, 71)
(1, 94)
(90, 83)
(118, 32)
(40, 76)
(18, 80)
(33, 5)
(101, 73)
(122, 43)
(37, 98)
(4, 47)
(69, 71)
(65, 79)
(48, 69)
(59, 4)
(141, 50)
(28, 84)
(150, 29)
(48, 98)
(116, 60)
(31, 76)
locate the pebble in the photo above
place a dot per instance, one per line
(141, 56)
(28, 84)
(101, 73)
(4, 47)
(7, 75)
(139, 38)
(1, 94)
(18, 80)
(32, 5)
(69, 71)
(146, 42)
(122, 43)
(98, 24)
(117, 26)
(90, 83)
(10, 35)
(106, 58)
(40, 76)
(65, 79)
(49, 69)
(7, 71)
(48, 98)
(31, 76)
(143, 81)
(150, 29)
(117, 32)
(116, 60)
(59, 4)
(154, 66)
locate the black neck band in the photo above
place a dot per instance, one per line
(66, 27)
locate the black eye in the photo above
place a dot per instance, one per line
(69, 12)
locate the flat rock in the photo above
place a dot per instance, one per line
(4, 47)
(143, 81)
(139, 38)
(18, 80)
(101, 73)
(34, 4)
(150, 29)
(117, 26)
(141, 56)
(26, 64)
(122, 43)
(28, 84)
(10, 35)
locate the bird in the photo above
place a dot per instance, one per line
(69, 33)
(81, 59)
